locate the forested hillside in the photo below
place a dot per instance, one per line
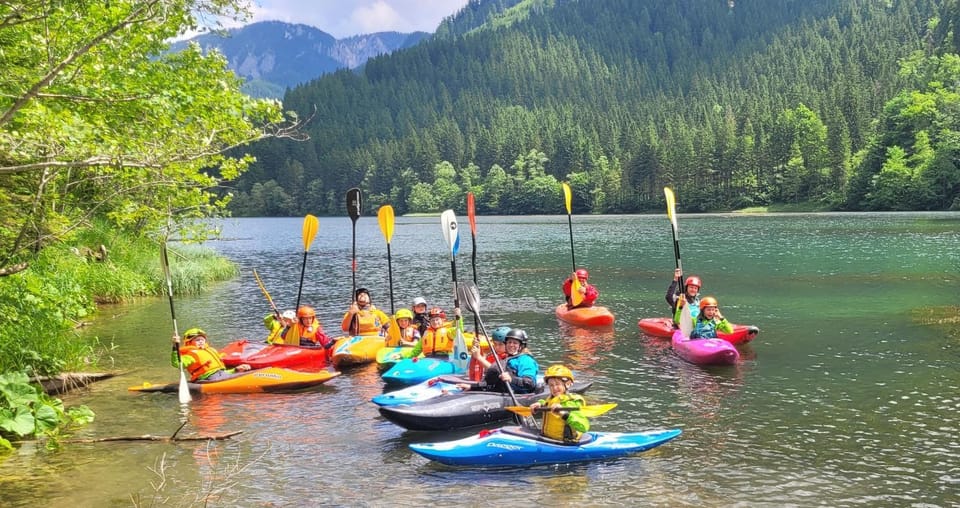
(733, 105)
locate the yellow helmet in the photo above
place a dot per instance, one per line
(558, 371)
(404, 313)
(193, 333)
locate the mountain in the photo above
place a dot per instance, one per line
(274, 56)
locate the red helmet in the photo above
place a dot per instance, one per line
(582, 273)
(693, 280)
(437, 312)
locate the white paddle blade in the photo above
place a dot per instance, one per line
(451, 234)
(686, 319)
(184, 390)
(461, 355)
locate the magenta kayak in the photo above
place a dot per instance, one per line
(704, 351)
(663, 327)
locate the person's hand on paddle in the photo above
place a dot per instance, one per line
(457, 315)
(475, 349)
(243, 367)
(505, 377)
(354, 308)
(176, 340)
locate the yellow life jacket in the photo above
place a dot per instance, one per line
(554, 426)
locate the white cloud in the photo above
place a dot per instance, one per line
(344, 18)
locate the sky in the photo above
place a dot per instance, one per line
(344, 18)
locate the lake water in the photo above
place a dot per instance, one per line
(844, 399)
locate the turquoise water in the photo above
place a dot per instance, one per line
(842, 400)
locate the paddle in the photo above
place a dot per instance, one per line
(575, 297)
(385, 216)
(448, 221)
(686, 320)
(310, 226)
(184, 390)
(471, 296)
(672, 215)
(263, 289)
(354, 205)
(588, 411)
(472, 216)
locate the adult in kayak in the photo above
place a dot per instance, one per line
(200, 360)
(588, 291)
(521, 368)
(307, 331)
(710, 321)
(691, 295)
(420, 318)
(404, 334)
(566, 426)
(438, 341)
(363, 317)
(478, 363)
(278, 324)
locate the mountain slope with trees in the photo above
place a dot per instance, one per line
(780, 101)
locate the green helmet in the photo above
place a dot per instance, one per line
(193, 333)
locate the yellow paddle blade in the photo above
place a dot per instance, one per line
(575, 297)
(588, 411)
(385, 216)
(567, 198)
(671, 206)
(310, 226)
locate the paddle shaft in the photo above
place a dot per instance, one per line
(353, 209)
(263, 289)
(472, 217)
(183, 390)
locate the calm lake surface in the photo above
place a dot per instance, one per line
(844, 399)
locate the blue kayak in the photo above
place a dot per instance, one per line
(516, 446)
(411, 371)
(433, 387)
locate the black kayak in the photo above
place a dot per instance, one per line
(464, 409)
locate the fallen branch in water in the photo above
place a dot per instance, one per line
(148, 437)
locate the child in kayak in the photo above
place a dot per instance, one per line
(706, 325)
(438, 341)
(587, 291)
(691, 295)
(402, 333)
(479, 363)
(200, 360)
(566, 426)
(420, 318)
(278, 324)
(307, 331)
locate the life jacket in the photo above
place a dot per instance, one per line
(206, 361)
(554, 426)
(437, 341)
(395, 335)
(297, 335)
(476, 369)
(369, 321)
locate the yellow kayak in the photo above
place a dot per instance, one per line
(267, 380)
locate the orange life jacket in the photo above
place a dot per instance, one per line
(205, 361)
(437, 341)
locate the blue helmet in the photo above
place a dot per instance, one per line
(500, 334)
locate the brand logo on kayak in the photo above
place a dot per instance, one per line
(504, 446)
(270, 375)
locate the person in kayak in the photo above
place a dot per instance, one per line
(479, 363)
(691, 293)
(709, 321)
(201, 361)
(438, 341)
(278, 324)
(404, 334)
(363, 317)
(588, 291)
(521, 368)
(566, 426)
(307, 331)
(420, 318)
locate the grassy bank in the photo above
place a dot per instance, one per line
(43, 305)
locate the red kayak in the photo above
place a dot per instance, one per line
(585, 316)
(261, 355)
(663, 327)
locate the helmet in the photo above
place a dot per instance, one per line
(437, 311)
(306, 311)
(289, 314)
(708, 302)
(558, 371)
(517, 334)
(419, 301)
(403, 313)
(693, 280)
(361, 290)
(582, 273)
(500, 334)
(193, 333)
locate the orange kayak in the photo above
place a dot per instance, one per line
(268, 380)
(585, 316)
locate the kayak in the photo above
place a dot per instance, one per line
(236, 352)
(411, 371)
(704, 351)
(279, 355)
(663, 327)
(517, 446)
(585, 316)
(356, 350)
(463, 409)
(433, 387)
(387, 356)
(268, 380)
